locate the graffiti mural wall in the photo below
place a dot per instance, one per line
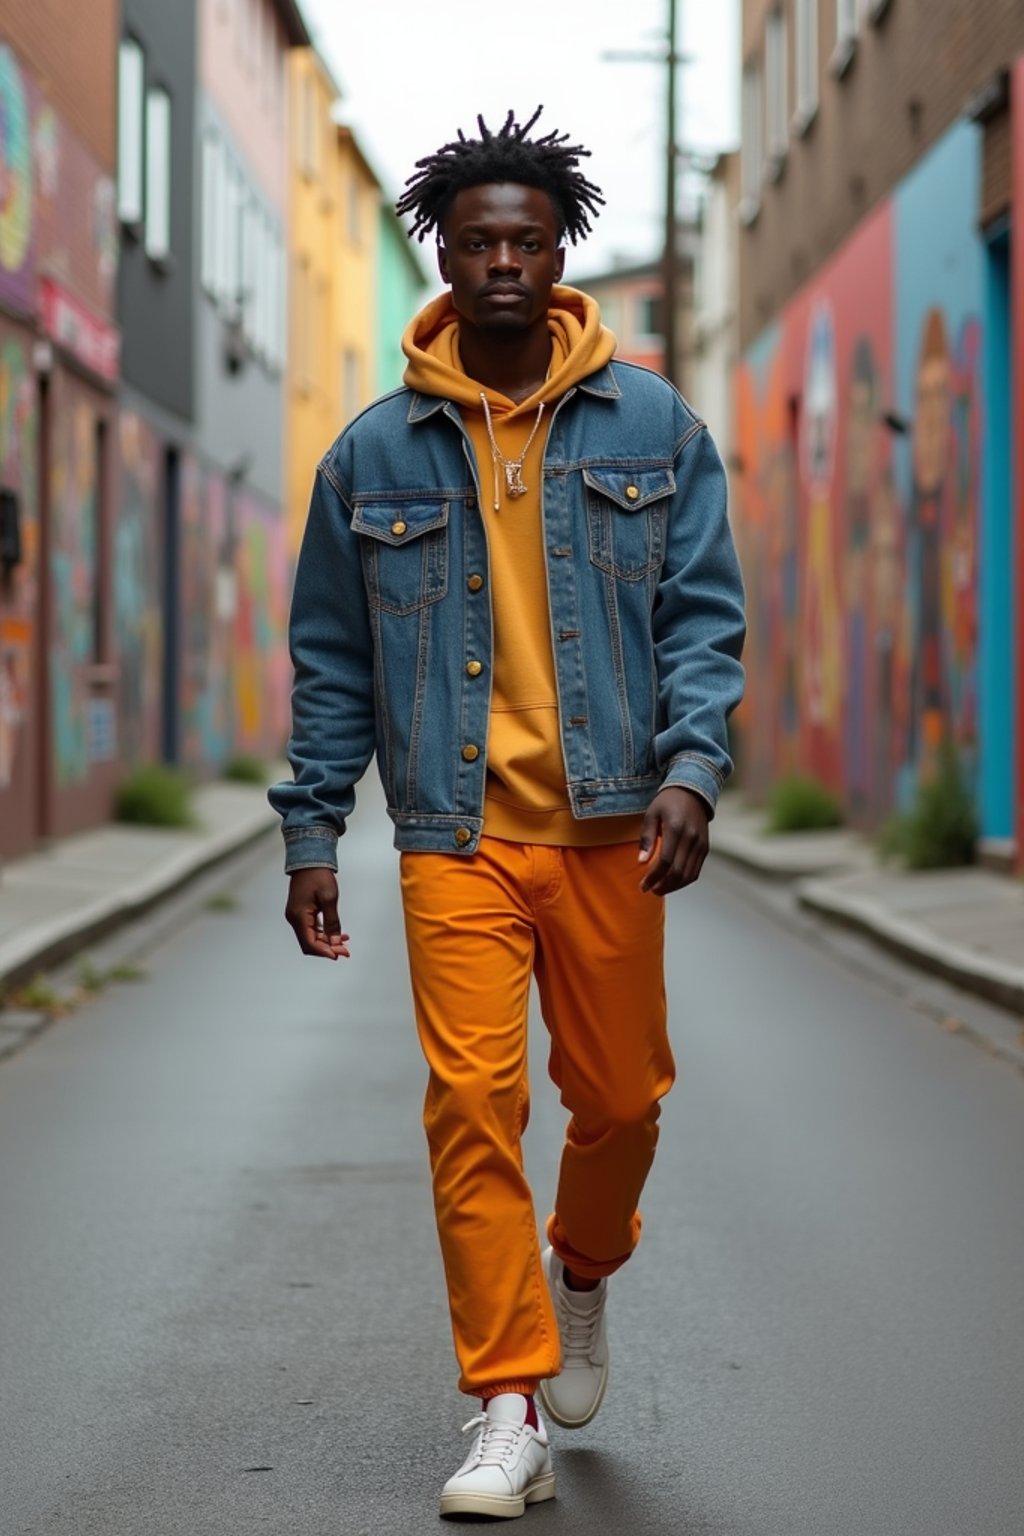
(137, 584)
(859, 419)
(236, 583)
(19, 586)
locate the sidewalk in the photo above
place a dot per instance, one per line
(965, 925)
(81, 888)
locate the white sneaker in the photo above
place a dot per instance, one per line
(573, 1397)
(508, 1467)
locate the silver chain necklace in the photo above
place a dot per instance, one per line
(513, 467)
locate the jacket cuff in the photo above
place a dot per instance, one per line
(310, 848)
(688, 771)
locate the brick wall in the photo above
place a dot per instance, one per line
(71, 49)
(912, 74)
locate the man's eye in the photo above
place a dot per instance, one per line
(531, 245)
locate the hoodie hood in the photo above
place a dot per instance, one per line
(580, 346)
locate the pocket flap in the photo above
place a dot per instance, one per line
(398, 522)
(630, 489)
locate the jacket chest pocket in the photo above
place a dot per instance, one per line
(405, 552)
(627, 513)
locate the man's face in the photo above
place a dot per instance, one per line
(501, 255)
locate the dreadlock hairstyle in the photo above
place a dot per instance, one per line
(549, 163)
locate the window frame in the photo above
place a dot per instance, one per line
(131, 150)
(776, 90)
(807, 82)
(751, 139)
(159, 173)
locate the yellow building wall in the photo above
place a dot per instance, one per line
(334, 233)
(359, 210)
(313, 390)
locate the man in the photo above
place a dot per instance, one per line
(518, 586)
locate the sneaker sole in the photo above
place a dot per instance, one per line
(559, 1418)
(493, 1504)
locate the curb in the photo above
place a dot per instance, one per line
(61, 939)
(748, 853)
(988, 978)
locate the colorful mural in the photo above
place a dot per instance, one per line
(206, 585)
(261, 674)
(19, 587)
(859, 420)
(138, 571)
(74, 644)
(236, 582)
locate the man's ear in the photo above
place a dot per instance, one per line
(559, 263)
(442, 263)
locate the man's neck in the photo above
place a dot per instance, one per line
(514, 365)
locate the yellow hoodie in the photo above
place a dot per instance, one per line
(525, 799)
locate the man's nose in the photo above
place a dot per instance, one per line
(505, 258)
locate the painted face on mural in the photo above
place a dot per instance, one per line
(931, 419)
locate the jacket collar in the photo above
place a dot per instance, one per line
(603, 384)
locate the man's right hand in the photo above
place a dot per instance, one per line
(312, 911)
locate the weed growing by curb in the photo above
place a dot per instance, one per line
(802, 805)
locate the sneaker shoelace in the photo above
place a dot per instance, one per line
(497, 1441)
(578, 1335)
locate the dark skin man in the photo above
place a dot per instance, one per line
(501, 257)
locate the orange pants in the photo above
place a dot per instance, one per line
(476, 929)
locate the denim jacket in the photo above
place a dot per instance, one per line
(391, 625)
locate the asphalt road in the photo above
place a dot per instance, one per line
(221, 1307)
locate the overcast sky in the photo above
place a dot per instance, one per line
(413, 72)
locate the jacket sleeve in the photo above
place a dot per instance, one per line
(699, 626)
(331, 643)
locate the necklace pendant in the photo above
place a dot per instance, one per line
(514, 480)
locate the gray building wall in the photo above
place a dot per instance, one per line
(155, 300)
(241, 414)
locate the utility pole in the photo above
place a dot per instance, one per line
(670, 252)
(670, 257)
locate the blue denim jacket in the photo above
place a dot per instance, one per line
(392, 604)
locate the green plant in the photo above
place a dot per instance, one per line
(90, 977)
(941, 828)
(126, 971)
(798, 804)
(156, 796)
(245, 770)
(40, 995)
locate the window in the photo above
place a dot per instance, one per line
(752, 154)
(211, 202)
(304, 325)
(251, 229)
(648, 315)
(355, 208)
(309, 142)
(158, 174)
(350, 385)
(131, 70)
(847, 27)
(776, 65)
(806, 62)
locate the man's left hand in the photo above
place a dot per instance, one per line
(674, 841)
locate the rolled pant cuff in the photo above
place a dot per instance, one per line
(526, 1388)
(589, 1269)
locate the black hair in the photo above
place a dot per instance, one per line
(549, 163)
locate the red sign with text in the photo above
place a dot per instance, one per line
(92, 342)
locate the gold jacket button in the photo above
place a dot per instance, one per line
(474, 583)
(463, 836)
(632, 492)
(471, 753)
(398, 528)
(474, 668)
